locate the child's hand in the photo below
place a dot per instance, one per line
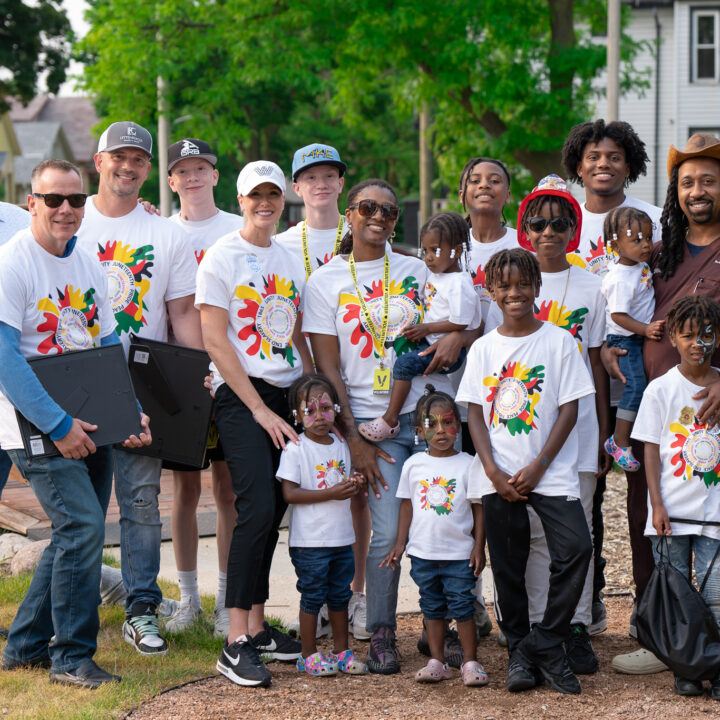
(343, 490)
(661, 520)
(526, 479)
(416, 332)
(655, 330)
(392, 559)
(500, 480)
(477, 559)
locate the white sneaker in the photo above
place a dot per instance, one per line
(184, 617)
(357, 616)
(640, 662)
(167, 607)
(323, 624)
(222, 622)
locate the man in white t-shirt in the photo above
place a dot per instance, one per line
(193, 176)
(54, 299)
(151, 279)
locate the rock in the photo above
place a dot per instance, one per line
(10, 543)
(27, 558)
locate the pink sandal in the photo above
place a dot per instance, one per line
(433, 672)
(378, 430)
(473, 673)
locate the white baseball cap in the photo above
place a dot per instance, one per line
(125, 134)
(259, 172)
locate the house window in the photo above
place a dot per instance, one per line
(706, 45)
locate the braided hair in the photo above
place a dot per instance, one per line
(465, 174)
(535, 206)
(300, 390)
(523, 260)
(346, 244)
(622, 218)
(698, 309)
(431, 397)
(674, 226)
(451, 228)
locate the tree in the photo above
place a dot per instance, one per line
(35, 41)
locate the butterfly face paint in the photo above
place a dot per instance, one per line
(706, 341)
(316, 408)
(433, 423)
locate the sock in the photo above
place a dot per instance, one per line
(189, 591)
(222, 588)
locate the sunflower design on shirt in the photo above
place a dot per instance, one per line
(128, 273)
(698, 452)
(514, 393)
(596, 261)
(570, 320)
(478, 278)
(272, 311)
(646, 278)
(437, 494)
(405, 309)
(330, 474)
(70, 320)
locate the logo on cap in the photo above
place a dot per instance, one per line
(319, 153)
(189, 148)
(131, 130)
(264, 170)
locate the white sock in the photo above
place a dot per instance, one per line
(222, 588)
(189, 591)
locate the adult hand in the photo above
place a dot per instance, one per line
(207, 383)
(609, 357)
(145, 437)
(274, 426)
(364, 459)
(447, 351)
(77, 443)
(149, 208)
(709, 411)
(655, 330)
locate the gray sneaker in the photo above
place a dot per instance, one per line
(221, 622)
(382, 656)
(112, 590)
(483, 623)
(184, 617)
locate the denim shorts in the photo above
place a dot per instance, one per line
(631, 366)
(411, 365)
(324, 576)
(446, 588)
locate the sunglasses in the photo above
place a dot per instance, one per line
(55, 200)
(368, 208)
(558, 224)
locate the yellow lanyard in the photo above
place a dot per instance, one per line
(377, 336)
(304, 243)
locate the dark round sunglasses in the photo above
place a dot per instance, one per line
(558, 224)
(55, 200)
(367, 208)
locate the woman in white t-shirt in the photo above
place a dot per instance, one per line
(249, 292)
(358, 307)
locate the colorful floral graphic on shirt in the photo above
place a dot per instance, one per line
(596, 260)
(405, 309)
(478, 278)
(71, 320)
(646, 278)
(128, 272)
(437, 494)
(514, 393)
(430, 293)
(698, 452)
(325, 259)
(330, 474)
(570, 320)
(273, 312)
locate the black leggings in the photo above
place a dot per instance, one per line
(253, 461)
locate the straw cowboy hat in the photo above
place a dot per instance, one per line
(698, 145)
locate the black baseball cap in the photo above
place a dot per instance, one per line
(189, 148)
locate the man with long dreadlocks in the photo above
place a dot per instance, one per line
(686, 262)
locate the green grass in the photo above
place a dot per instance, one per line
(29, 694)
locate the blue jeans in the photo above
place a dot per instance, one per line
(702, 548)
(631, 366)
(137, 486)
(5, 465)
(324, 576)
(446, 588)
(411, 365)
(64, 594)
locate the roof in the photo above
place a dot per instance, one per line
(37, 140)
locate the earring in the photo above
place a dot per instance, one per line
(452, 253)
(392, 234)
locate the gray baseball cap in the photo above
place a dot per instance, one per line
(125, 134)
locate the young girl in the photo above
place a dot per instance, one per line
(682, 456)
(446, 542)
(522, 384)
(628, 288)
(450, 303)
(317, 483)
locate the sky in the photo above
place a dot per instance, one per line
(75, 10)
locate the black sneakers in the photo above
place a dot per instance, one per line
(382, 656)
(579, 651)
(519, 677)
(564, 681)
(240, 662)
(88, 675)
(688, 688)
(276, 645)
(140, 629)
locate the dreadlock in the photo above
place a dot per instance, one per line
(698, 309)
(451, 227)
(535, 206)
(620, 219)
(300, 390)
(431, 397)
(346, 243)
(465, 174)
(674, 226)
(524, 261)
(620, 132)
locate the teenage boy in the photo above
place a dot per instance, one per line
(193, 176)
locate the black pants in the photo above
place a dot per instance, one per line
(253, 460)
(508, 536)
(643, 562)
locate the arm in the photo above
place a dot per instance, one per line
(392, 559)
(660, 518)
(477, 558)
(447, 349)
(709, 411)
(185, 321)
(418, 332)
(609, 357)
(602, 407)
(653, 330)
(214, 333)
(300, 343)
(295, 495)
(526, 480)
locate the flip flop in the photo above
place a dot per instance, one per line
(378, 430)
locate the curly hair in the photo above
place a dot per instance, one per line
(300, 390)
(355, 190)
(621, 218)
(592, 132)
(535, 206)
(465, 174)
(698, 309)
(431, 397)
(523, 260)
(451, 227)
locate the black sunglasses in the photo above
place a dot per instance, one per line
(558, 224)
(55, 200)
(367, 208)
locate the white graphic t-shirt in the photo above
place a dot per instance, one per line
(591, 253)
(148, 262)
(442, 521)
(321, 243)
(332, 308)
(521, 382)
(628, 289)
(203, 233)
(261, 288)
(58, 304)
(313, 466)
(689, 453)
(450, 297)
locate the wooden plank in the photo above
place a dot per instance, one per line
(18, 521)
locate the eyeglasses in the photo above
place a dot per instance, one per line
(55, 200)
(558, 224)
(368, 208)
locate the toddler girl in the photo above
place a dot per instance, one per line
(317, 483)
(628, 289)
(450, 303)
(446, 536)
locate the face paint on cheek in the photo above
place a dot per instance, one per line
(429, 432)
(449, 423)
(307, 413)
(707, 346)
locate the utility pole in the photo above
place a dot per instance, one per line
(162, 148)
(425, 166)
(613, 60)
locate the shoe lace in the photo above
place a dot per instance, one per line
(146, 624)
(385, 643)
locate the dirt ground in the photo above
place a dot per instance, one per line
(606, 694)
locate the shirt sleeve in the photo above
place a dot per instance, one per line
(576, 381)
(649, 421)
(471, 389)
(494, 318)
(403, 490)
(183, 266)
(289, 467)
(213, 285)
(596, 330)
(13, 297)
(462, 299)
(618, 292)
(320, 305)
